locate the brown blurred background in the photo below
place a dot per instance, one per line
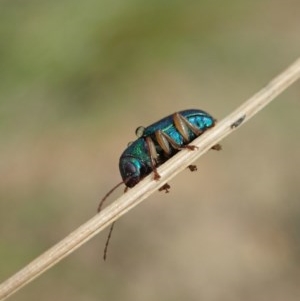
(77, 78)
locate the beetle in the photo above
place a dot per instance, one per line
(157, 143)
(160, 141)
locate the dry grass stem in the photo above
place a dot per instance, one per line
(148, 186)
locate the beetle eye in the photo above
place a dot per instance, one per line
(130, 169)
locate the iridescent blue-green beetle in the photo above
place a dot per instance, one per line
(160, 141)
(157, 143)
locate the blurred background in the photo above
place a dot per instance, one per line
(78, 77)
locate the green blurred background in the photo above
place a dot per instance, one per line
(77, 78)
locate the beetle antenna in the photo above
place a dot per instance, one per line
(107, 240)
(112, 225)
(107, 195)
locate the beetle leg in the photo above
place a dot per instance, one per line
(153, 156)
(183, 125)
(217, 147)
(165, 141)
(166, 187)
(192, 167)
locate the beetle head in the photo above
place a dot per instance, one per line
(132, 170)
